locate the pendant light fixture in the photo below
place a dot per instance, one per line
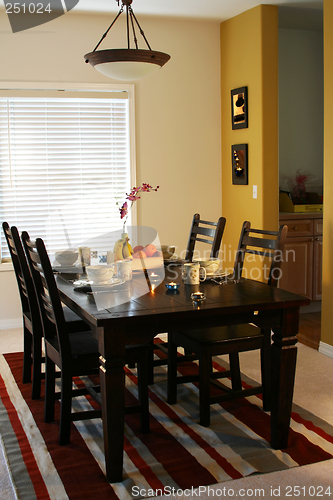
(126, 64)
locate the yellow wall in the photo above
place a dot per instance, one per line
(249, 57)
(327, 300)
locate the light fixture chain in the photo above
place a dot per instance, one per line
(133, 30)
(107, 31)
(141, 30)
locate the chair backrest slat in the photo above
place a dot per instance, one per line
(273, 249)
(263, 231)
(205, 231)
(214, 232)
(208, 223)
(251, 241)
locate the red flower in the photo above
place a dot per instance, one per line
(123, 210)
(133, 196)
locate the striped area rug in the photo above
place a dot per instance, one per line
(177, 455)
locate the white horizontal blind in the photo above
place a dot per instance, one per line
(64, 165)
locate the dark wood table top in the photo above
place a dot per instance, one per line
(162, 305)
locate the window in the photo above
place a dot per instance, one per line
(65, 163)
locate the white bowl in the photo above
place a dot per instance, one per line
(100, 273)
(168, 251)
(66, 257)
(211, 264)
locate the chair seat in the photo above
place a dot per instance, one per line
(222, 334)
(75, 323)
(84, 348)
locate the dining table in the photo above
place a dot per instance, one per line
(140, 309)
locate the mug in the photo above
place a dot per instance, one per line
(124, 269)
(192, 273)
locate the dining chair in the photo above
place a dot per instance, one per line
(209, 233)
(75, 354)
(32, 325)
(232, 339)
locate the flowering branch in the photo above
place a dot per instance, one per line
(134, 196)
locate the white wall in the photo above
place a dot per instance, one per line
(301, 106)
(178, 120)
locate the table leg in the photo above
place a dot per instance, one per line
(112, 381)
(284, 353)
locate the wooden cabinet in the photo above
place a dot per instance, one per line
(301, 267)
(302, 261)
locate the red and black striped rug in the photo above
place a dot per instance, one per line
(178, 454)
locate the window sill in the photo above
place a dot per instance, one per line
(6, 266)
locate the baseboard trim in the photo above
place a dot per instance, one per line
(326, 349)
(7, 324)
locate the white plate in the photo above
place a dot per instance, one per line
(111, 282)
(217, 274)
(67, 269)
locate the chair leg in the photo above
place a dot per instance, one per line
(172, 370)
(27, 355)
(236, 381)
(150, 362)
(142, 367)
(49, 390)
(66, 407)
(265, 356)
(36, 368)
(204, 390)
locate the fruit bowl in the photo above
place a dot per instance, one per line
(168, 251)
(99, 274)
(66, 257)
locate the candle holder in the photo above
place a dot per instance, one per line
(172, 285)
(198, 296)
(154, 278)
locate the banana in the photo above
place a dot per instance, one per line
(127, 250)
(122, 249)
(118, 250)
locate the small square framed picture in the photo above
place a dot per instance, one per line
(239, 163)
(239, 105)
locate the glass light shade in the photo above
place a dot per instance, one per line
(126, 70)
(126, 64)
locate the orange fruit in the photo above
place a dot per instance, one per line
(140, 254)
(138, 248)
(150, 250)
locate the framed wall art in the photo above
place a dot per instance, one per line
(239, 162)
(239, 105)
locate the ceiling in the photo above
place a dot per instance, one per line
(219, 10)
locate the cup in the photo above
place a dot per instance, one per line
(100, 273)
(124, 269)
(192, 273)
